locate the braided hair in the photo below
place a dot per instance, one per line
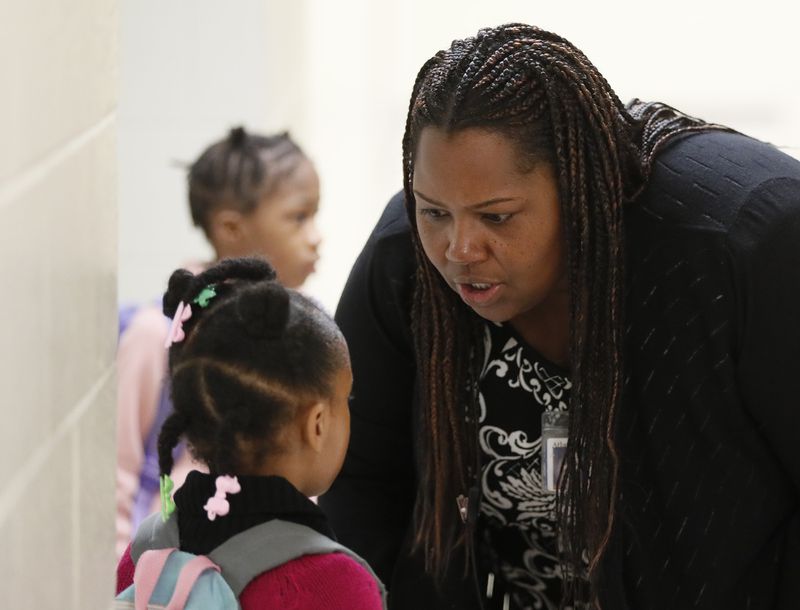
(252, 356)
(238, 172)
(545, 96)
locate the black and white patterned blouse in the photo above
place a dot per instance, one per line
(517, 526)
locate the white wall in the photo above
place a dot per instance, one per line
(58, 65)
(339, 74)
(190, 70)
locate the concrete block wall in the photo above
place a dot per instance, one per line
(58, 241)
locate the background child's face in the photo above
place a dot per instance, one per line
(283, 226)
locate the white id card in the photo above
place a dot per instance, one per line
(555, 425)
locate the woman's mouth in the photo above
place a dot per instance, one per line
(478, 294)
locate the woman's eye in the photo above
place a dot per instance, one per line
(432, 213)
(496, 218)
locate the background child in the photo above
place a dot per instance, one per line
(250, 194)
(260, 384)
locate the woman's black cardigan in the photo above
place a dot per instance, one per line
(709, 428)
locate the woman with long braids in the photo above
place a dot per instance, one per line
(576, 348)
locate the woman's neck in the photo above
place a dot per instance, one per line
(546, 329)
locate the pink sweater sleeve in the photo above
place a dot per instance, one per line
(141, 368)
(333, 582)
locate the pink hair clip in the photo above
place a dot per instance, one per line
(176, 334)
(217, 505)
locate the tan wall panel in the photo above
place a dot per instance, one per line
(95, 500)
(35, 565)
(58, 255)
(59, 61)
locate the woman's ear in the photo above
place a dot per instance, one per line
(317, 425)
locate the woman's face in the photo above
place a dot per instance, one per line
(491, 230)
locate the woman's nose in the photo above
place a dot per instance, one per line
(464, 247)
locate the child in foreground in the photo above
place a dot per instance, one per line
(252, 195)
(260, 385)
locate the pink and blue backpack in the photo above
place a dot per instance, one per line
(169, 579)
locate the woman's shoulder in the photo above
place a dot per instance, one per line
(380, 286)
(332, 580)
(394, 219)
(390, 240)
(703, 182)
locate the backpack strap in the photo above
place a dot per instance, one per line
(271, 544)
(267, 546)
(186, 579)
(148, 570)
(153, 533)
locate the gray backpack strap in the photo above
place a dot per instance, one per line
(154, 533)
(271, 544)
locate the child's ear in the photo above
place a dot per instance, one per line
(227, 228)
(317, 425)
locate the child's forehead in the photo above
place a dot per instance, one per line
(299, 174)
(279, 165)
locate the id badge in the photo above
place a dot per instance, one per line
(555, 425)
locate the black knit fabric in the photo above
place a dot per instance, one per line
(261, 499)
(708, 515)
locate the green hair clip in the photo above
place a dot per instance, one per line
(167, 503)
(205, 296)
